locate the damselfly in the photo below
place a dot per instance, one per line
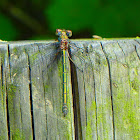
(63, 43)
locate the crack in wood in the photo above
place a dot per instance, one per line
(7, 112)
(137, 50)
(31, 98)
(9, 58)
(76, 105)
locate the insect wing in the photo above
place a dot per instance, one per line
(79, 55)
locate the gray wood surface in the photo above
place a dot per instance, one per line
(109, 89)
(103, 90)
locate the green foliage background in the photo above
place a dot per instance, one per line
(38, 19)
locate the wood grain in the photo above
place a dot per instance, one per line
(103, 90)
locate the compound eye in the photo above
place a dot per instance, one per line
(58, 32)
(69, 33)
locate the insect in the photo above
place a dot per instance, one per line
(63, 42)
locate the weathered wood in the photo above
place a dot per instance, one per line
(19, 94)
(105, 85)
(3, 109)
(109, 89)
(34, 94)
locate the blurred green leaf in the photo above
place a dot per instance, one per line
(104, 18)
(7, 30)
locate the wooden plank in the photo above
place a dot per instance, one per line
(3, 107)
(36, 95)
(126, 101)
(95, 106)
(105, 85)
(37, 99)
(57, 124)
(102, 90)
(18, 94)
(105, 89)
